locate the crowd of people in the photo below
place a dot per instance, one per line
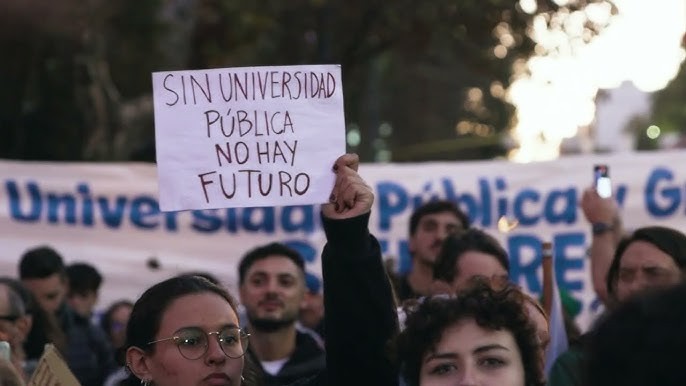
(453, 319)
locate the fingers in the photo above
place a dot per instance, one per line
(351, 161)
(348, 185)
(350, 196)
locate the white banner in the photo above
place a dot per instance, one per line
(108, 214)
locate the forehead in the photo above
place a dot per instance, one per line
(475, 262)
(46, 284)
(445, 217)
(464, 336)
(537, 317)
(122, 312)
(274, 264)
(642, 253)
(206, 310)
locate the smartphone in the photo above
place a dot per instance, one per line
(5, 351)
(601, 177)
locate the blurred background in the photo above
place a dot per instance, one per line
(524, 80)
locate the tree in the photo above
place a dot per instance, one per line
(433, 71)
(422, 80)
(669, 105)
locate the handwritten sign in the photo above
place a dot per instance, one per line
(247, 137)
(52, 370)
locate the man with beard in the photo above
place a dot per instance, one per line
(272, 290)
(430, 224)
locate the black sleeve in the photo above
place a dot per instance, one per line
(360, 313)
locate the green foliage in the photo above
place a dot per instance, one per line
(669, 105)
(429, 69)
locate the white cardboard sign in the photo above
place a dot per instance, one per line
(247, 137)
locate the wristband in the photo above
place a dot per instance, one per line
(600, 228)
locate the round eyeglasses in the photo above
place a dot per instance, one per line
(193, 342)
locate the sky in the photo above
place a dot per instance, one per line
(642, 45)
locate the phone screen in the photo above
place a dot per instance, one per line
(5, 351)
(603, 184)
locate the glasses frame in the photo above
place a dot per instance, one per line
(243, 336)
(10, 318)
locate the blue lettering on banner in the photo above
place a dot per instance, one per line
(485, 207)
(206, 221)
(142, 211)
(526, 269)
(393, 200)
(304, 248)
(526, 195)
(145, 212)
(665, 201)
(489, 204)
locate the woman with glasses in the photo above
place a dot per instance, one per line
(483, 337)
(184, 331)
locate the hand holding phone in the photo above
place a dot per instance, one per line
(602, 182)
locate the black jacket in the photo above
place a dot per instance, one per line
(360, 312)
(307, 360)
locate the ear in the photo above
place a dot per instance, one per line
(24, 325)
(304, 303)
(410, 245)
(138, 362)
(241, 290)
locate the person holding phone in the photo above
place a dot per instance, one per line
(602, 213)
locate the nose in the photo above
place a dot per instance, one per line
(638, 284)
(442, 233)
(468, 376)
(215, 354)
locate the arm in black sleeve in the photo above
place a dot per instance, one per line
(360, 311)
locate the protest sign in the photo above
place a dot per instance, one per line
(52, 370)
(247, 137)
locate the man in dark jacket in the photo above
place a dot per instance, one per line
(88, 354)
(272, 289)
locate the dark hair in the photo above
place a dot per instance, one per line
(41, 262)
(265, 251)
(437, 206)
(490, 308)
(641, 342)
(83, 278)
(148, 310)
(456, 245)
(213, 279)
(106, 318)
(668, 240)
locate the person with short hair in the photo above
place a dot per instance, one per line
(272, 290)
(84, 287)
(471, 254)
(87, 352)
(650, 258)
(429, 225)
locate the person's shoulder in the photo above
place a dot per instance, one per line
(306, 333)
(318, 379)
